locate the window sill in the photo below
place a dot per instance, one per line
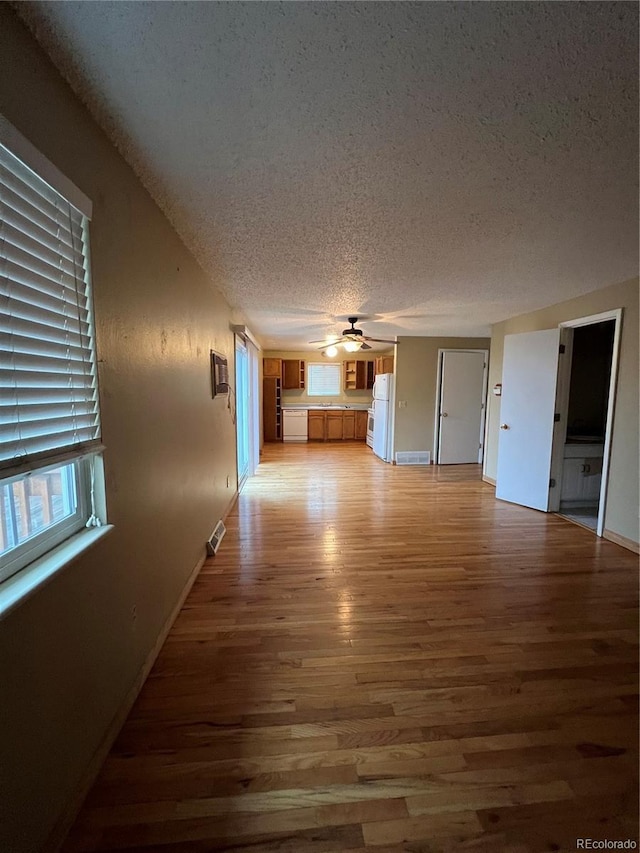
(18, 588)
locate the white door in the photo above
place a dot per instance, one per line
(461, 407)
(529, 378)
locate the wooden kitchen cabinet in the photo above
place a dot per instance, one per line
(315, 426)
(349, 425)
(384, 364)
(371, 374)
(271, 409)
(337, 425)
(272, 368)
(350, 375)
(358, 375)
(333, 426)
(292, 373)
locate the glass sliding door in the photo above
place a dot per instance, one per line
(243, 431)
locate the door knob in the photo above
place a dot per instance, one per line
(504, 426)
(444, 415)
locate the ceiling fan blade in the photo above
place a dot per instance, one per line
(379, 340)
(365, 346)
(326, 344)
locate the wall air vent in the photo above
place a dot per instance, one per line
(413, 457)
(216, 538)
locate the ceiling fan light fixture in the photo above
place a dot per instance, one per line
(331, 351)
(352, 346)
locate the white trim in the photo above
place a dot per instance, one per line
(614, 314)
(246, 334)
(602, 317)
(485, 383)
(19, 145)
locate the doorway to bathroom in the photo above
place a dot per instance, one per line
(583, 437)
(553, 457)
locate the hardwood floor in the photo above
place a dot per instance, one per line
(384, 658)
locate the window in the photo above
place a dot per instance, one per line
(49, 418)
(323, 380)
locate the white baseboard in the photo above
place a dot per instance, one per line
(629, 544)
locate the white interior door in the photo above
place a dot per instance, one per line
(461, 406)
(529, 378)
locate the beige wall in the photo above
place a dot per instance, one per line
(70, 654)
(302, 398)
(622, 502)
(416, 381)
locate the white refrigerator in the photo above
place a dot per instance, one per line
(383, 409)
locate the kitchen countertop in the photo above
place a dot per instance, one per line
(358, 407)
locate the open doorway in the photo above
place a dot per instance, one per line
(535, 440)
(586, 407)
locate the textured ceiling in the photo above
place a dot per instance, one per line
(434, 166)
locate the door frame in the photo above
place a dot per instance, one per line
(482, 438)
(562, 406)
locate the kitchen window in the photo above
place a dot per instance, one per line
(323, 380)
(49, 421)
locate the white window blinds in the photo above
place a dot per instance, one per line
(49, 401)
(323, 379)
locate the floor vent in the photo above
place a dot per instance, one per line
(216, 538)
(413, 457)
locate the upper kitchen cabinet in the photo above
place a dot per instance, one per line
(272, 368)
(358, 375)
(292, 373)
(384, 364)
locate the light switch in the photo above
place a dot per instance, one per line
(402, 404)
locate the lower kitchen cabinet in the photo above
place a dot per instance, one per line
(342, 425)
(348, 425)
(333, 426)
(315, 426)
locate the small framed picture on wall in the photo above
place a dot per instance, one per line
(219, 374)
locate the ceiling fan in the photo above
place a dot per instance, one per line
(351, 340)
